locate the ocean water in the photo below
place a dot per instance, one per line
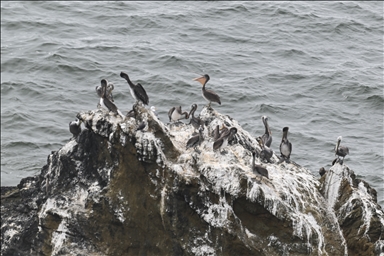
(316, 67)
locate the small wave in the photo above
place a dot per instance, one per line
(269, 108)
(350, 26)
(292, 53)
(11, 117)
(20, 145)
(376, 101)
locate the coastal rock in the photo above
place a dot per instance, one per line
(355, 205)
(113, 190)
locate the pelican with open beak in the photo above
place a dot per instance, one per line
(209, 95)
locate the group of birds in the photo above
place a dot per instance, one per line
(221, 135)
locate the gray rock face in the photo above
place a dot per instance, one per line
(113, 190)
(355, 205)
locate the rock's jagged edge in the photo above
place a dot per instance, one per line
(115, 191)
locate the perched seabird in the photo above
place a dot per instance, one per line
(137, 91)
(195, 121)
(267, 136)
(209, 95)
(285, 145)
(220, 131)
(99, 90)
(265, 153)
(341, 150)
(222, 142)
(197, 139)
(258, 168)
(175, 114)
(105, 102)
(322, 171)
(75, 127)
(110, 87)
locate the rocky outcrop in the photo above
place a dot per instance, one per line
(355, 205)
(113, 190)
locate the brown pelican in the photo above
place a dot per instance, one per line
(285, 145)
(75, 127)
(341, 150)
(209, 95)
(266, 153)
(258, 168)
(105, 102)
(222, 142)
(218, 131)
(137, 90)
(195, 121)
(99, 91)
(267, 136)
(175, 114)
(197, 139)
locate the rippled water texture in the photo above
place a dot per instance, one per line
(316, 67)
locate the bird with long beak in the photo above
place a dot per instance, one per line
(341, 150)
(222, 142)
(175, 114)
(285, 145)
(267, 136)
(195, 121)
(137, 90)
(99, 91)
(196, 140)
(105, 102)
(209, 95)
(258, 169)
(266, 153)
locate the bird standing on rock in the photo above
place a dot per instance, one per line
(109, 90)
(322, 171)
(266, 153)
(197, 139)
(175, 114)
(137, 90)
(222, 142)
(105, 102)
(209, 95)
(285, 145)
(195, 121)
(341, 150)
(75, 127)
(267, 136)
(258, 168)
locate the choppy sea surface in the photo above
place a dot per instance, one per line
(316, 67)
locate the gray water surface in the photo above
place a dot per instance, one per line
(316, 67)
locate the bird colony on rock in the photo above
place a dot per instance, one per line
(221, 135)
